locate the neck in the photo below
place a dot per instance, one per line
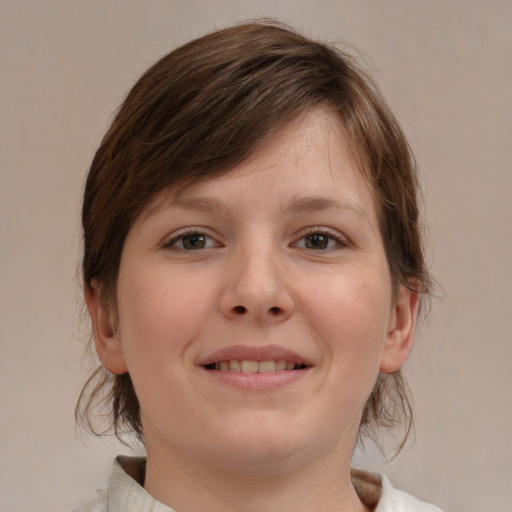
(308, 487)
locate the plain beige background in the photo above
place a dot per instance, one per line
(446, 69)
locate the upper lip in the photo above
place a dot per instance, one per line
(251, 353)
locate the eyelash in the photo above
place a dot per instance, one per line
(173, 244)
(331, 236)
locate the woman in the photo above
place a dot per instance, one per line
(253, 269)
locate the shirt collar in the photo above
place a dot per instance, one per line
(126, 491)
(125, 487)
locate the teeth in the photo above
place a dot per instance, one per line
(280, 365)
(234, 366)
(248, 366)
(267, 366)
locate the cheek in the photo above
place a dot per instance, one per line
(349, 316)
(160, 314)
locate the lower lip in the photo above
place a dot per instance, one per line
(257, 381)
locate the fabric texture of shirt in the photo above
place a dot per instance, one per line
(126, 494)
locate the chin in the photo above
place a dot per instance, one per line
(262, 446)
(258, 460)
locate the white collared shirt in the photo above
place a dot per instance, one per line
(126, 494)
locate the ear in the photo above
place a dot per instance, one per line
(106, 339)
(400, 336)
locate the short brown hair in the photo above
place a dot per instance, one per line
(204, 108)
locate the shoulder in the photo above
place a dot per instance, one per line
(375, 490)
(124, 486)
(125, 491)
(394, 500)
(98, 504)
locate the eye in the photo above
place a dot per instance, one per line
(320, 240)
(192, 241)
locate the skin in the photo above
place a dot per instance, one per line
(274, 267)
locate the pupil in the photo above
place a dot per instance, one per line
(317, 242)
(195, 241)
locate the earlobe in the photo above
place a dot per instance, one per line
(106, 339)
(400, 336)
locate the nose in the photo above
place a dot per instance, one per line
(257, 288)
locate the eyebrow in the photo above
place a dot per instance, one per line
(189, 203)
(303, 204)
(318, 203)
(202, 205)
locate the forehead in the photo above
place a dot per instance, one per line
(309, 160)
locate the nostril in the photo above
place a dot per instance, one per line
(239, 310)
(275, 310)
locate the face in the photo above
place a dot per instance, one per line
(255, 309)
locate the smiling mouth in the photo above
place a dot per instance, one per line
(251, 366)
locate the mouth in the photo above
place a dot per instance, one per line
(251, 360)
(255, 366)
